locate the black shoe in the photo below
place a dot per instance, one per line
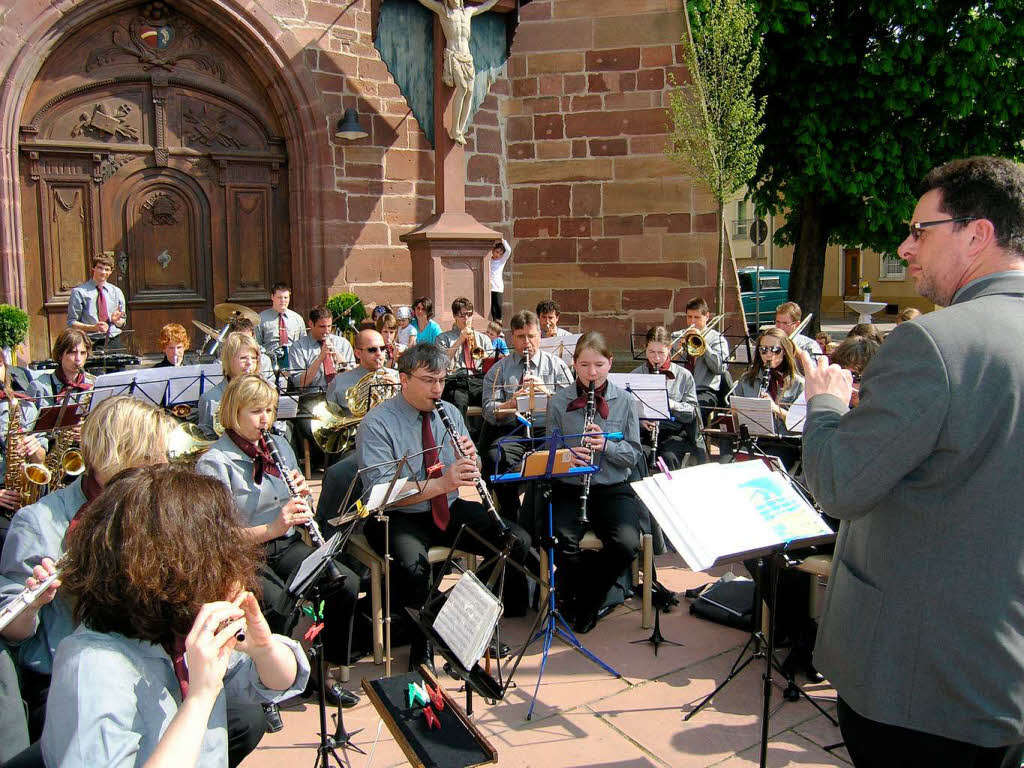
(813, 675)
(335, 695)
(585, 622)
(273, 715)
(421, 652)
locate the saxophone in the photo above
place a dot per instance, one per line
(26, 478)
(64, 459)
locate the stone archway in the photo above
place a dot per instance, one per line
(274, 62)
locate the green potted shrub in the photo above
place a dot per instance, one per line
(348, 312)
(13, 330)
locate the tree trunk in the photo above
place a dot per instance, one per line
(807, 274)
(720, 284)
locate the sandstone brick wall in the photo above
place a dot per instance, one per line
(383, 184)
(602, 222)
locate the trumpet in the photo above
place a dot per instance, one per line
(485, 495)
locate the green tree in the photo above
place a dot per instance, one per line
(716, 119)
(863, 99)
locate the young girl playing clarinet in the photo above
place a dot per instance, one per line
(612, 509)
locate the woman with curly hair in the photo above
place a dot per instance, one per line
(158, 570)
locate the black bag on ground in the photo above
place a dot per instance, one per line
(728, 601)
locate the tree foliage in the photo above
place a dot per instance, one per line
(863, 99)
(716, 119)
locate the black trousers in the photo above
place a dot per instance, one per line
(510, 458)
(413, 533)
(872, 744)
(463, 390)
(613, 514)
(283, 557)
(674, 442)
(496, 299)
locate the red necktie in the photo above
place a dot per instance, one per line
(468, 354)
(101, 306)
(438, 504)
(178, 662)
(282, 331)
(330, 369)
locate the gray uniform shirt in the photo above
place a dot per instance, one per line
(37, 531)
(707, 368)
(620, 456)
(682, 393)
(209, 405)
(82, 304)
(502, 381)
(343, 382)
(118, 696)
(394, 429)
(257, 504)
(266, 332)
(748, 387)
(307, 349)
(448, 339)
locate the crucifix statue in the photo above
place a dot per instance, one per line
(458, 71)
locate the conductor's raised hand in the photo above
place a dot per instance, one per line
(822, 378)
(462, 473)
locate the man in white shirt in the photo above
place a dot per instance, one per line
(500, 254)
(279, 326)
(96, 306)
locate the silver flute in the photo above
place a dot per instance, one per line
(29, 595)
(588, 421)
(485, 495)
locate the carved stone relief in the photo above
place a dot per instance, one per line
(101, 125)
(160, 209)
(113, 163)
(158, 39)
(210, 127)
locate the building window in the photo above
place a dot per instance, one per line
(890, 268)
(740, 228)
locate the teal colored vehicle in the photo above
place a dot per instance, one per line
(774, 290)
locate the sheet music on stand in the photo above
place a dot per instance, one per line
(651, 389)
(467, 619)
(136, 383)
(308, 566)
(190, 381)
(756, 414)
(797, 415)
(561, 346)
(757, 508)
(287, 406)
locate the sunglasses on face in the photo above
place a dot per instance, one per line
(373, 350)
(769, 350)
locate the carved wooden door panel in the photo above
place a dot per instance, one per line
(147, 136)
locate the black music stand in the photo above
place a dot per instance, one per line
(550, 616)
(309, 588)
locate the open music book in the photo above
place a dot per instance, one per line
(717, 513)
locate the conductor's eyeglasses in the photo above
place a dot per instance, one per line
(769, 350)
(918, 227)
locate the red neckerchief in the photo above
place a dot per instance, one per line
(91, 488)
(17, 395)
(775, 384)
(80, 383)
(599, 401)
(666, 369)
(262, 461)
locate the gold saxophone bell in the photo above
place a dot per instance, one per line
(72, 462)
(37, 474)
(181, 411)
(477, 353)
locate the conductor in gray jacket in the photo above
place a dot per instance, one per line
(923, 628)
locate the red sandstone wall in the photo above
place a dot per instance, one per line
(602, 222)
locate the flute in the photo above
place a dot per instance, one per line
(485, 495)
(29, 595)
(588, 421)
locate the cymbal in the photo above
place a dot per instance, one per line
(206, 329)
(224, 312)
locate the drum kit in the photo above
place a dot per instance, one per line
(224, 313)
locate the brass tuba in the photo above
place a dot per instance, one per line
(335, 431)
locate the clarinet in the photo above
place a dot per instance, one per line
(766, 380)
(588, 421)
(310, 525)
(485, 495)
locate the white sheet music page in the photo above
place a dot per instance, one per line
(712, 511)
(756, 413)
(651, 389)
(466, 620)
(797, 414)
(379, 493)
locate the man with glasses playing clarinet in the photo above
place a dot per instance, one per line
(408, 426)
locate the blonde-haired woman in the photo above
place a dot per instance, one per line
(241, 459)
(239, 354)
(121, 432)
